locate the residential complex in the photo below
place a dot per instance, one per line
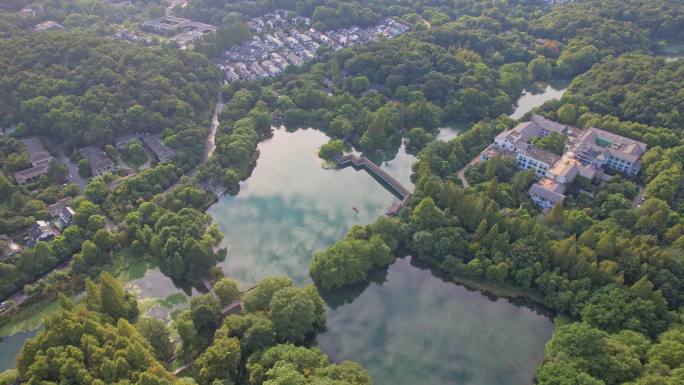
(184, 31)
(588, 153)
(280, 41)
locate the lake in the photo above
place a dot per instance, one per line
(411, 327)
(407, 326)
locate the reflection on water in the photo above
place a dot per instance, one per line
(534, 98)
(672, 52)
(291, 207)
(10, 348)
(410, 327)
(154, 284)
(452, 131)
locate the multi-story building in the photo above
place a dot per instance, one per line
(588, 153)
(604, 149)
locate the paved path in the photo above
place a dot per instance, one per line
(211, 141)
(461, 172)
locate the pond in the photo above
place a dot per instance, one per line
(10, 348)
(291, 207)
(532, 98)
(411, 327)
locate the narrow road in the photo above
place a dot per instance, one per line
(211, 141)
(73, 170)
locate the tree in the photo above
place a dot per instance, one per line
(564, 373)
(96, 191)
(259, 336)
(220, 361)
(156, 333)
(296, 313)
(227, 291)
(418, 138)
(110, 299)
(57, 172)
(84, 168)
(359, 85)
(205, 313)
(329, 151)
(260, 297)
(116, 352)
(540, 69)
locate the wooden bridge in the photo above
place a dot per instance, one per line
(377, 172)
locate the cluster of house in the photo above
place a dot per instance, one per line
(131, 37)
(153, 143)
(588, 153)
(40, 161)
(183, 31)
(61, 216)
(281, 41)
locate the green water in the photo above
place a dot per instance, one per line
(292, 207)
(411, 327)
(10, 348)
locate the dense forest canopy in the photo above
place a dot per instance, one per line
(81, 90)
(610, 263)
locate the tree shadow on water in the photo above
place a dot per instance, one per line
(335, 298)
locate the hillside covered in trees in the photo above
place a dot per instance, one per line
(610, 265)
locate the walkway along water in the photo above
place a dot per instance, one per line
(376, 172)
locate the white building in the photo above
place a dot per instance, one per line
(588, 153)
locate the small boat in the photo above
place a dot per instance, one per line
(355, 209)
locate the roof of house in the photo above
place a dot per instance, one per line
(549, 125)
(97, 159)
(549, 190)
(161, 150)
(566, 167)
(541, 155)
(24, 175)
(601, 141)
(36, 151)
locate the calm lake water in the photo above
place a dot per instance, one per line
(408, 326)
(411, 327)
(292, 207)
(534, 98)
